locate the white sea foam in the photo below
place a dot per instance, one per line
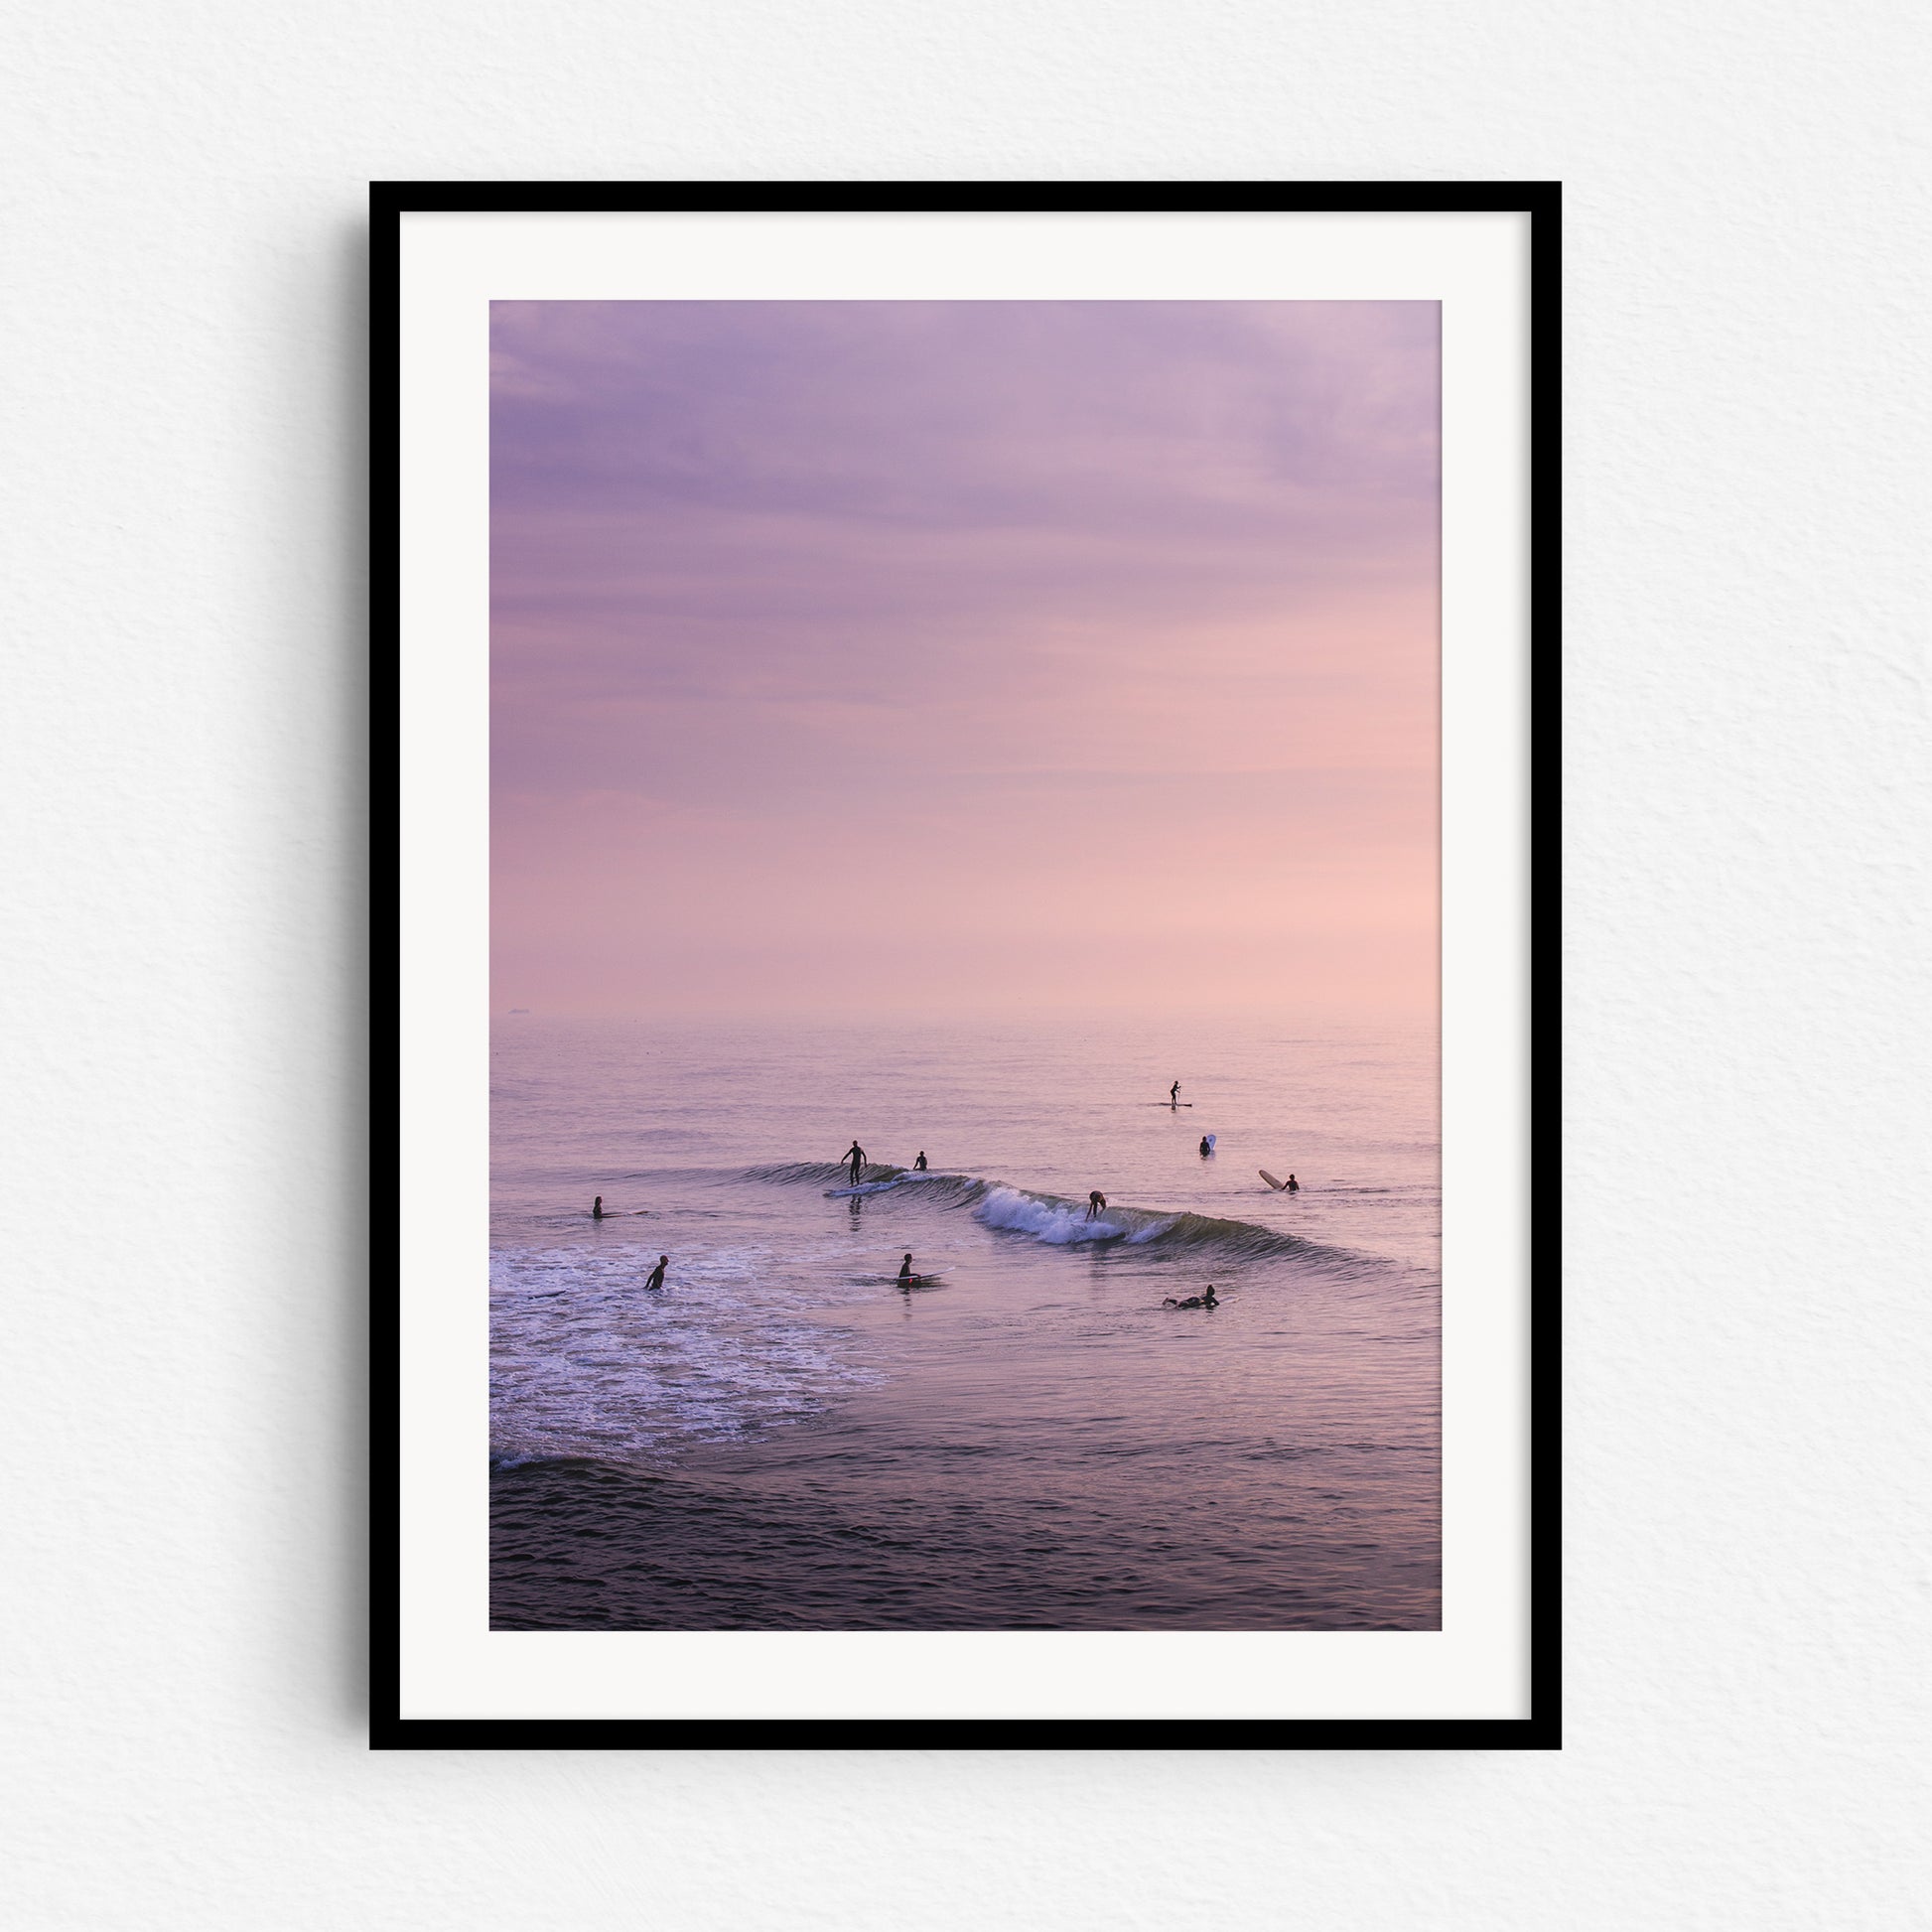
(1046, 1219)
(583, 1361)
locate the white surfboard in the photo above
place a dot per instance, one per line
(1279, 1187)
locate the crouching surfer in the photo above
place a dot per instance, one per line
(1096, 1204)
(1209, 1301)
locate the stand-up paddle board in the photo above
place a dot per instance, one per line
(1167, 1103)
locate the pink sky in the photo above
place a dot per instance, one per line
(986, 655)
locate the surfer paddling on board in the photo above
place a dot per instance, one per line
(1209, 1301)
(1096, 1204)
(918, 1165)
(1173, 1096)
(855, 1159)
(656, 1276)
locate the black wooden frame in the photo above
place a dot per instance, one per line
(389, 201)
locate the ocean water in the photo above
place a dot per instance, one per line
(782, 1437)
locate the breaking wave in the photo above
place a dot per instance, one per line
(1062, 1223)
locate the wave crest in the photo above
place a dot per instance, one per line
(799, 1172)
(1062, 1223)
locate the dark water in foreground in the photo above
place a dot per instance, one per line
(782, 1439)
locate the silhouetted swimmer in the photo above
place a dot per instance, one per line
(1293, 1187)
(855, 1156)
(656, 1279)
(918, 1165)
(1173, 1096)
(1209, 1301)
(1096, 1204)
(906, 1272)
(596, 1209)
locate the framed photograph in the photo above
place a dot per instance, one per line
(965, 766)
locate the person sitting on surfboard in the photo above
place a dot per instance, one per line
(856, 1159)
(1173, 1096)
(918, 1165)
(656, 1277)
(1209, 1301)
(596, 1209)
(1096, 1204)
(906, 1272)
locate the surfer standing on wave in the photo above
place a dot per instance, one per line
(855, 1157)
(1096, 1204)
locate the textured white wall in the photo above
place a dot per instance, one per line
(1748, 393)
